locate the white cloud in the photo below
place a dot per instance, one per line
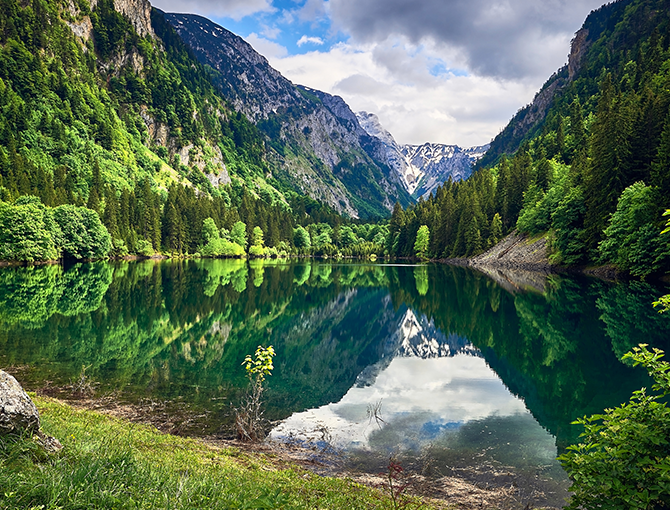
(269, 49)
(440, 391)
(309, 40)
(235, 9)
(313, 10)
(270, 32)
(393, 80)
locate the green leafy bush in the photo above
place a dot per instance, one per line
(83, 236)
(144, 248)
(216, 246)
(624, 459)
(27, 231)
(631, 239)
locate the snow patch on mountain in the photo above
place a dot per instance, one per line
(422, 167)
(416, 337)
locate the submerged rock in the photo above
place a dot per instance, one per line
(18, 413)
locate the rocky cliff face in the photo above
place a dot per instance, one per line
(318, 145)
(138, 13)
(531, 117)
(422, 168)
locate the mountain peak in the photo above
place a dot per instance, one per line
(426, 166)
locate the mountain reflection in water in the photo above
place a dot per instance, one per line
(458, 363)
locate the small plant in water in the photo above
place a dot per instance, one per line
(248, 419)
(84, 386)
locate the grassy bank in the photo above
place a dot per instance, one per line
(109, 463)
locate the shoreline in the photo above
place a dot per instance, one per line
(438, 492)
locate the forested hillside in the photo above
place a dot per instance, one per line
(110, 121)
(594, 172)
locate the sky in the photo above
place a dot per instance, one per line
(442, 71)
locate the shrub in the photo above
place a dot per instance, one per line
(83, 236)
(624, 459)
(28, 231)
(144, 248)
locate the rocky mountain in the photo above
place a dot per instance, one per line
(578, 78)
(422, 167)
(315, 142)
(415, 336)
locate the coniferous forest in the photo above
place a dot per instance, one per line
(594, 176)
(118, 143)
(84, 174)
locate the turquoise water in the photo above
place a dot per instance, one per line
(440, 365)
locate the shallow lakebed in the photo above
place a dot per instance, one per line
(450, 371)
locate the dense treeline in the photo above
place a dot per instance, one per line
(81, 124)
(182, 221)
(597, 176)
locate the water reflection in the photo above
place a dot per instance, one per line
(174, 330)
(410, 404)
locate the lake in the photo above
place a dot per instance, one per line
(453, 371)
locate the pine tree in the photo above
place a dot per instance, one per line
(496, 230)
(610, 152)
(542, 171)
(560, 141)
(660, 172)
(502, 191)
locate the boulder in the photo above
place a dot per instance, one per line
(18, 414)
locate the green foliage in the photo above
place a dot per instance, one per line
(31, 231)
(301, 239)
(422, 241)
(82, 235)
(144, 248)
(248, 419)
(28, 231)
(567, 244)
(257, 237)
(260, 366)
(631, 239)
(623, 460)
(215, 246)
(238, 234)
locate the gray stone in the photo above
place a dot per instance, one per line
(17, 411)
(50, 444)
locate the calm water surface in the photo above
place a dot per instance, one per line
(439, 365)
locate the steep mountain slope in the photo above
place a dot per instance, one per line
(609, 37)
(591, 157)
(422, 167)
(317, 145)
(105, 106)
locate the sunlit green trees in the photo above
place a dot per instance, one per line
(238, 234)
(631, 239)
(28, 231)
(301, 238)
(215, 245)
(83, 236)
(257, 248)
(422, 241)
